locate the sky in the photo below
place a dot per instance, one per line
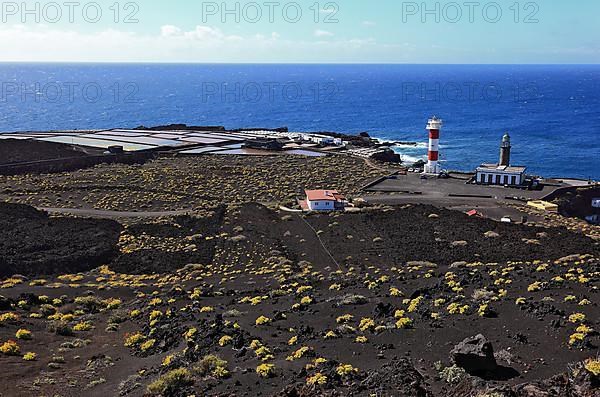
(269, 31)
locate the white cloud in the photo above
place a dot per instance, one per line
(201, 44)
(368, 23)
(169, 30)
(323, 33)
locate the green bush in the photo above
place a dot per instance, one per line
(453, 374)
(171, 383)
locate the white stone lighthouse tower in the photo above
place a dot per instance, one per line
(505, 151)
(433, 166)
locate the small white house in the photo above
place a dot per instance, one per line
(324, 200)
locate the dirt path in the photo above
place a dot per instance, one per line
(320, 241)
(114, 214)
(373, 165)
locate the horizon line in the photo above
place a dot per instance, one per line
(297, 63)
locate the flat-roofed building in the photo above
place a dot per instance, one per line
(494, 174)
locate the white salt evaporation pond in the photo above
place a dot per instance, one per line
(255, 152)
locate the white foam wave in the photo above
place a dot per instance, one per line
(407, 159)
(417, 145)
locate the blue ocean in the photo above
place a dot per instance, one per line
(551, 112)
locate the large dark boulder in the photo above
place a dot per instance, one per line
(475, 355)
(398, 378)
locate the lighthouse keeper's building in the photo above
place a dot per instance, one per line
(502, 173)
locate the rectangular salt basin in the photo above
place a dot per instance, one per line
(202, 150)
(247, 152)
(194, 139)
(140, 139)
(226, 137)
(166, 136)
(178, 133)
(96, 143)
(6, 136)
(308, 153)
(123, 133)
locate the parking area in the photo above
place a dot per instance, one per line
(494, 202)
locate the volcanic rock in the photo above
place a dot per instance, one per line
(475, 355)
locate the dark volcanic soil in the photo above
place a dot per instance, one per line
(196, 249)
(579, 203)
(269, 293)
(425, 233)
(31, 243)
(394, 237)
(35, 244)
(18, 150)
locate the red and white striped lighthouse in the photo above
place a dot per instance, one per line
(434, 126)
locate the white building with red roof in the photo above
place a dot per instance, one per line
(324, 200)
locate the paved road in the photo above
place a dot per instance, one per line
(114, 214)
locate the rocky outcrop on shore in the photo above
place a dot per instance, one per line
(387, 156)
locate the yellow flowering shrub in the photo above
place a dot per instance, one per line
(344, 319)
(190, 334)
(414, 304)
(225, 340)
(455, 308)
(304, 289)
(147, 345)
(262, 320)
(298, 354)
(403, 322)
(9, 317)
(266, 370)
(10, 348)
(133, 339)
(576, 337)
(316, 379)
(134, 313)
(592, 366)
(155, 314)
(395, 292)
(577, 318)
(83, 326)
(168, 360)
(23, 334)
(345, 370)
(366, 324)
